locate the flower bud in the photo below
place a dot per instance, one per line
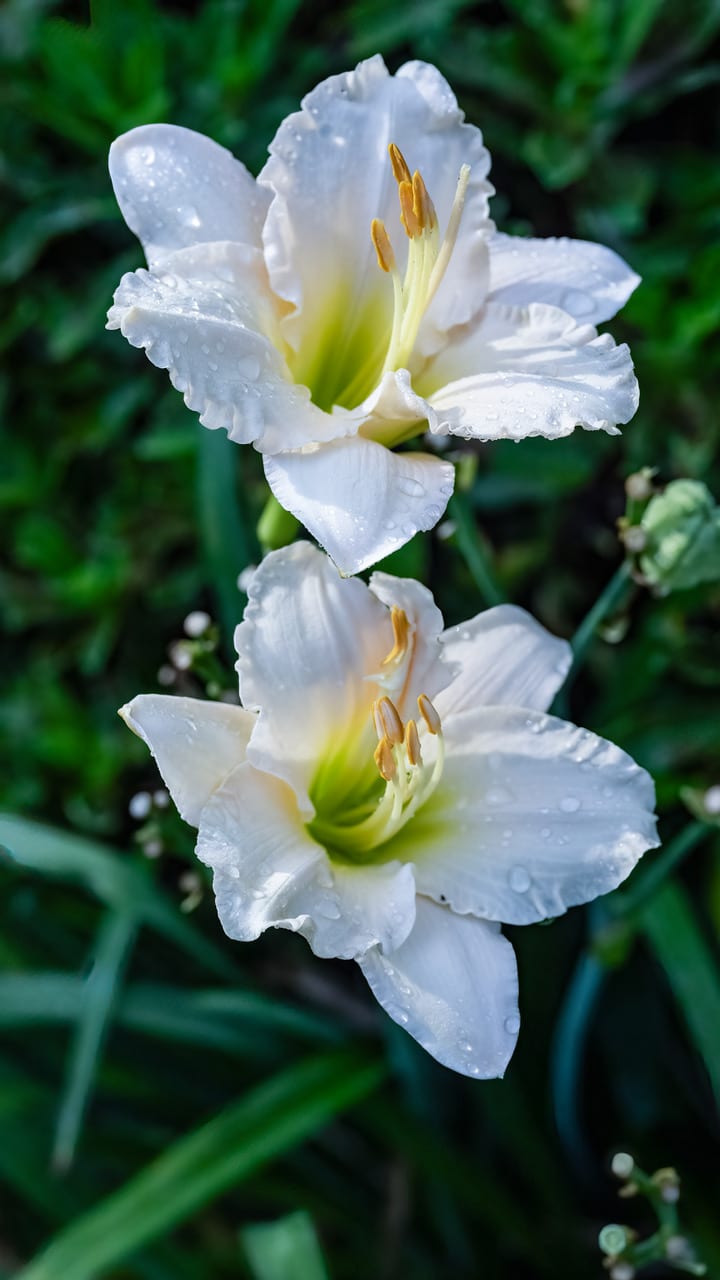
(622, 1164)
(613, 1239)
(196, 624)
(682, 526)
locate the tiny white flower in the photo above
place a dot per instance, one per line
(394, 791)
(358, 295)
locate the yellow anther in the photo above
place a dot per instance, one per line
(412, 743)
(385, 760)
(387, 721)
(401, 633)
(423, 206)
(408, 216)
(401, 172)
(429, 714)
(382, 245)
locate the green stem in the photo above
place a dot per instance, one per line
(474, 550)
(637, 895)
(276, 526)
(607, 601)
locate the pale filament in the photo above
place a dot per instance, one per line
(428, 258)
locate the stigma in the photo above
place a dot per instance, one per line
(428, 256)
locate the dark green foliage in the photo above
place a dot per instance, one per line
(191, 1088)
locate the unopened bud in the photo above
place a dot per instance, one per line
(622, 1164)
(622, 1271)
(161, 798)
(683, 537)
(635, 538)
(711, 800)
(181, 655)
(638, 486)
(152, 848)
(196, 624)
(613, 1239)
(140, 805)
(166, 675)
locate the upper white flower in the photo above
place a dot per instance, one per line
(393, 791)
(358, 294)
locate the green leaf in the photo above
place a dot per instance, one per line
(99, 994)
(118, 881)
(271, 1119)
(672, 930)
(227, 542)
(285, 1250)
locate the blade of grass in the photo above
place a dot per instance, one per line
(474, 550)
(228, 1019)
(226, 540)
(100, 991)
(116, 879)
(284, 1250)
(670, 926)
(271, 1119)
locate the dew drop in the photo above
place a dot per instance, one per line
(512, 1024)
(520, 879)
(413, 488)
(569, 804)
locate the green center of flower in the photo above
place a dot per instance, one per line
(368, 350)
(371, 787)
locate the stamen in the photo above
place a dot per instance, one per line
(429, 714)
(401, 632)
(412, 743)
(387, 721)
(385, 760)
(408, 215)
(401, 172)
(422, 204)
(382, 246)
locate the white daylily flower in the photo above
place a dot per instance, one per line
(334, 309)
(394, 791)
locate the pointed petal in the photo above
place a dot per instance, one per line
(358, 499)
(330, 175)
(196, 744)
(177, 188)
(502, 657)
(587, 280)
(269, 873)
(530, 372)
(532, 816)
(453, 986)
(308, 641)
(208, 318)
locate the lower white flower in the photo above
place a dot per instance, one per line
(394, 791)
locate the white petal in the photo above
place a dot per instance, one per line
(178, 188)
(530, 372)
(503, 657)
(532, 816)
(207, 317)
(423, 668)
(330, 174)
(196, 744)
(587, 280)
(453, 986)
(358, 499)
(308, 641)
(269, 873)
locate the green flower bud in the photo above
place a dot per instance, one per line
(683, 537)
(614, 1239)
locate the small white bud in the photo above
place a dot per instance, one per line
(245, 577)
(622, 1164)
(711, 799)
(152, 848)
(635, 538)
(638, 486)
(161, 798)
(140, 805)
(622, 1271)
(166, 675)
(180, 656)
(196, 623)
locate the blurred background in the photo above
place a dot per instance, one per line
(163, 1091)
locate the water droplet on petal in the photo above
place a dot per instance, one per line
(512, 1024)
(520, 879)
(569, 804)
